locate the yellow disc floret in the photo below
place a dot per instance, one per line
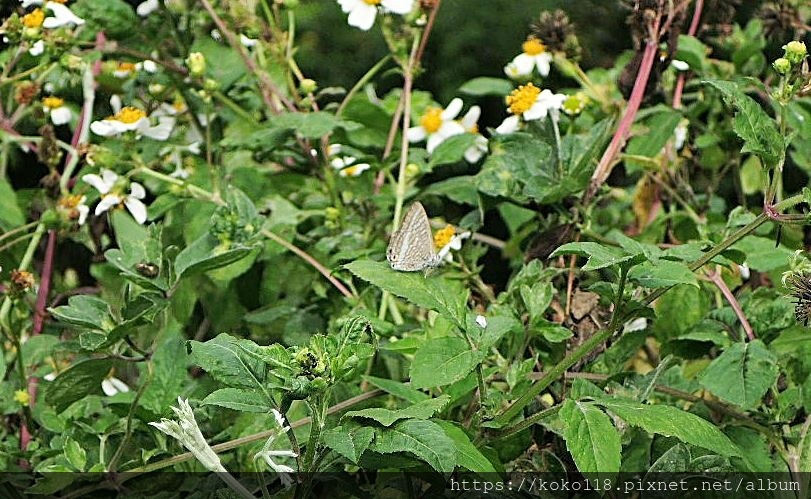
(522, 98)
(34, 19)
(126, 66)
(373, 2)
(129, 115)
(53, 102)
(533, 46)
(444, 236)
(432, 120)
(22, 397)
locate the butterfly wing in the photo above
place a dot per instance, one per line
(411, 247)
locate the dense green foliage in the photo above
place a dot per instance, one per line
(196, 200)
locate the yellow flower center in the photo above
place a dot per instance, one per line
(70, 201)
(533, 46)
(373, 2)
(474, 128)
(59, 1)
(179, 105)
(573, 105)
(129, 115)
(52, 102)
(34, 18)
(351, 171)
(444, 236)
(126, 66)
(432, 120)
(522, 98)
(22, 397)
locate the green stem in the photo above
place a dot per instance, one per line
(233, 106)
(17, 230)
(361, 83)
(5, 308)
(192, 189)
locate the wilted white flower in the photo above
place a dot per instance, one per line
(112, 386)
(186, 431)
(62, 16)
(680, 134)
(267, 453)
(107, 185)
(745, 272)
(147, 7)
(362, 13)
(73, 207)
(148, 65)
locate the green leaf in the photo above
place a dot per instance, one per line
(80, 380)
(115, 17)
(137, 256)
(756, 128)
(537, 298)
(460, 189)
(662, 274)
(592, 440)
(350, 440)
(672, 422)
(85, 311)
(11, 215)
(397, 389)
(675, 460)
(311, 125)
(693, 52)
(424, 439)
(485, 85)
(431, 293)
(206, 253)
(75, 454)
(742, 374)
(599, 256)
(660, 126)
(468, 456)
(233, 361)
(451, 150)
(762, 254)
(239, 399)
(421, 410)
(442, 361)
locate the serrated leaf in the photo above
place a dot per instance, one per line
(233, 361)
(468, 456)
(239, 399)
(397, 389)
(443, 361)
(421, 410)
(662, 274)
(424, 439)
(206, 253)
(741, 374)
(751, 123)
(350, 441)
(591, 439)
(431, 293)
(85, 311)
(599, 256)
(672, 422)
(80, 380)
(75, 454)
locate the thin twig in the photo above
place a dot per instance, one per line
(715, 277)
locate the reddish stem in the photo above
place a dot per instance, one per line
(679, 90)
(716, 279)
(603, 169)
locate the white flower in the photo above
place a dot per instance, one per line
(637, 324)
(481, 321)
(454, 243)
(437, 125)
(679, 65)
(29, 3)
(362, 13)
(216, 35)
(186, 431)
(62, 16)
(58, 111)
(37, 48)
(345, 165)
(130, 119)
(534, 56)
(148, 65)
(111, 197)
(547, 104)
(267, 454)
(680, 134)
(147, 7)
(528, 103)
(470, 123)
(745, 273)
(112, 386)
(247, 42)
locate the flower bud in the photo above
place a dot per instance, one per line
(308, 86)
(156, 88)
(211, 85)
(196, 63)
(782, 65)
(795, 52)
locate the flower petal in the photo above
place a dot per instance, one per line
(61, 115)
(62, 16)
(137, 208)
(453, 109)
(509, 125)
(401, 7)
(137, 191)
(362, 16)
(416, 134)
(106, 203)
(146, 8)
(37, 48)
(523, 64)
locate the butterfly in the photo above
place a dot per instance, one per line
(411, 247)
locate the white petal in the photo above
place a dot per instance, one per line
(149, 66)
(449, 129)
(37, 48)
(538, 111)
(635, 325)
(161, 131)
(354, 171)
(416, 134)
(83, 212)
(119, 385)
(137, 208)
(481, 321)
(338, 163)
(180, 173)
(433, 142)
(349, 5)
(115, 103)
(137, 191)
(679, 65)
(247, 42)
(97, 182)
(509, 125)
(62, 16)
(453, 109)
(146, 8)
(109, 177)
(362, 16)
(193, 148)
(334, 149)
(61, 115)
(542, 63)
(473, 153)
(108, 388)
(29, 3)
(511, 70)
(401, 7)
(106, 203)
(524, 64)
(470, 118)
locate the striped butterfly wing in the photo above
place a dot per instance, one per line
(411, 247)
